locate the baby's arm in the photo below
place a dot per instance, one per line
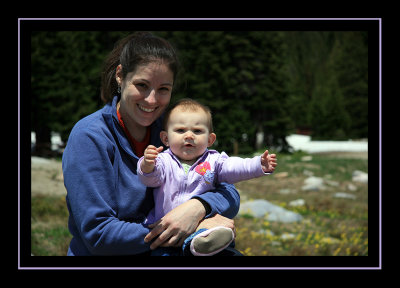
(268, 162)
(235, 169)
(148, 167)
(149, 161)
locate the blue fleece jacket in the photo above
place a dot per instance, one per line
(106, 201)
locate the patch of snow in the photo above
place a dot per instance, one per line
(304, 143)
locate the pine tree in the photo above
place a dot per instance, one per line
(328, 74)
(241, 76)
(351, 66)
(65, 80)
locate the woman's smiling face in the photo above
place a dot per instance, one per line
(145, 93)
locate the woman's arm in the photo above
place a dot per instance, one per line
(90, 178)
(224, 200)
(176, 225)
(182, 221)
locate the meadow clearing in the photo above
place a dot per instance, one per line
(331, 225)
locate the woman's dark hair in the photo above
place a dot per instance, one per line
(139, 48)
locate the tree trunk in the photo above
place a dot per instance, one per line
(43, 142)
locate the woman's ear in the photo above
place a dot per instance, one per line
(164, 138)
(211, 139)
(118, 74)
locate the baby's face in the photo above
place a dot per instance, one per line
(188, 135)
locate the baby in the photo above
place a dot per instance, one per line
(188, 168)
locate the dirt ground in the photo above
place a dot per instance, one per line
(352, 155)
(46, 177)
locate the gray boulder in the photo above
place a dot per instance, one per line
(313, 184)
(260, 207)
(360, 176)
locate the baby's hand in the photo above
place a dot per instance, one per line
(149, 161)
(268, 162)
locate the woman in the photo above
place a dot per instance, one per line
(106, 201)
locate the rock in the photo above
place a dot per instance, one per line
(266, 232)
(258, 208)
(60, 177)
(308, 173)
(281, 175)
(40, 160)
(313, 184)
(47, 177)
(285, 191)
(306, 158)
(332, 183)
(298, 202)
(360, 176)
(287, 236)
(351, 187)
(344, 195)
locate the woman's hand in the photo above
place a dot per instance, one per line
(217, 220)
(176, 225)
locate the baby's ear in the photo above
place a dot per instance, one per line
(211, 139)
(164, 138)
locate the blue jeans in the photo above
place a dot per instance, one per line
(185, 250)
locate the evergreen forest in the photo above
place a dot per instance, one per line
(257, 83)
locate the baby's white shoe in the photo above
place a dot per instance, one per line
(211, 241)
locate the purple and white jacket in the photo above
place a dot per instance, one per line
(174, 187)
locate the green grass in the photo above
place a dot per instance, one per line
(49, 228)
(330, 226)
